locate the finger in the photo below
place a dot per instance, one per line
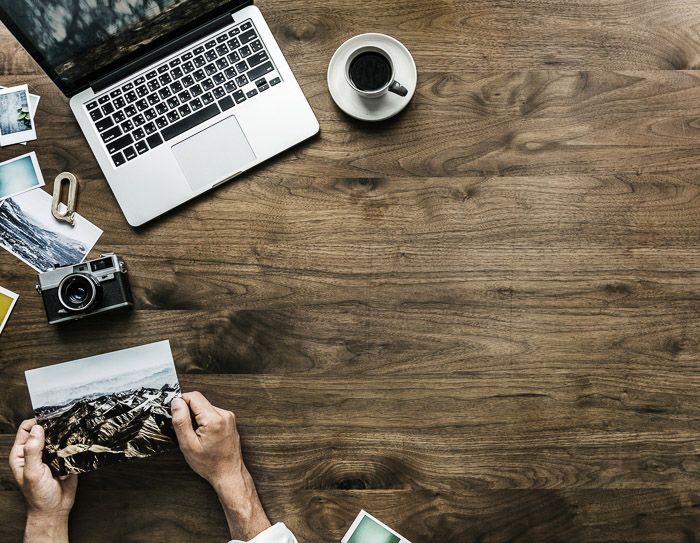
(33, 465)
(200, 406)
(182, 422)
(23, 432)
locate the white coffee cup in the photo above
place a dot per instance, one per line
(389, 85)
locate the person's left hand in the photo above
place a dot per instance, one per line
(46, 495)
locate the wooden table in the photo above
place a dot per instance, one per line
(479, 321)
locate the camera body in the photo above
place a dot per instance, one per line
(78, 290)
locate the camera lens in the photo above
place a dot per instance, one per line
(78, 292)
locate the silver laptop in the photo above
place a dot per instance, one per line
(174, 97)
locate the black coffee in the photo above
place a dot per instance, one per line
(370, 71)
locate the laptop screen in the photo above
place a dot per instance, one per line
(75, 40)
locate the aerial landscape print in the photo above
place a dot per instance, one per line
(105, 409)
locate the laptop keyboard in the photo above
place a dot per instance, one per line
(227, 69)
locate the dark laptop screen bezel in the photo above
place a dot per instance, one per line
(70, 88)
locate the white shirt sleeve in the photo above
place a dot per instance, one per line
(278, 533)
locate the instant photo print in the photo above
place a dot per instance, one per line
(16, 119)
(19, 175)
(106, 409)
(367, 529)
(33, 105)
(7, 303)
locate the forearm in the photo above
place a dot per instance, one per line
(46, 528)
(244, 513)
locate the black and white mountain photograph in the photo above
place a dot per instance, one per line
(29, 231)
(105, 409)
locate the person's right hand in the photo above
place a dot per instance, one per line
(213, 451)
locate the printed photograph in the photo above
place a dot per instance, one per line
(33, 105)
(367, 529)
(7, 303)
(105, 409)
(16, 119)
(20, 175)
(29, 231)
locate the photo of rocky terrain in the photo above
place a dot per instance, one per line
(106, 409)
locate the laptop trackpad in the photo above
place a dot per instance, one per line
(214, 154)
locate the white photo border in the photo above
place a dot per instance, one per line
(37, 172)
(362, 514)
(14, 297)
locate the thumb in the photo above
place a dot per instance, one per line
(182, 422)
(33, 464)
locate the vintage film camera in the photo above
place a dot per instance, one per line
(75, 291)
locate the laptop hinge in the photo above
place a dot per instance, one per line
(163, 51)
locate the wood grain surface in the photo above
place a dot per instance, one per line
(479, 320)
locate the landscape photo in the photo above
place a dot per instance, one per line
(29, 231)
(105, 409)
(20, 175)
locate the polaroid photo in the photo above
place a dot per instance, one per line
(33, 105)
(29, 231)
(7, 303)
(16, 119)
(106, 409)
(367, 529)
(20, 175)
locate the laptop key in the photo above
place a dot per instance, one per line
(150, 128)
(188, 67)
(115, 93)
(104, 124)
(245, 51)
(218, 78)
(150, 114)
(207, 84)
(165, 79)
(119, 117)
(264, 87)
(142, 91)
(127, 126)
(140, 81)
(103, 99)
(210, 44)
(151, 74)
(154, 141)
(173, 102)
(162, 69)
(130, 111)
(177, 86)
(196, 90)
(187, 56)
(131, 97)
(210, 56)
(222, 63)
(153, 99)
(141, 105)
(238, 96)
(127, 87)
(207, 98)
(161, 109)
(233, 58)
(108, 109)
(222, 38)
(226, 103)
(246, 26)
(234, 32)
(260, 70)
(241, 66)
(230, 86)
(188, 81)
(119, 144)
(257, 58)
(199, 61)
(139, 120)
(184, 111)
(196, 104)
(173, 117)
(199, 50)
(161, 122)
(230, 73)
(177, 73)
(210, 69)
(153, 85)
(164, 93)
(241, 80)
(174, 62)
(248, 36)
(118, 159)
(221, 50)
(252, 93)
(96, 114)
(219, 92)
(111, 134)
(234, 44)
(199, 75)
(91, 106)
(256, 46)
(119, 102)
(141, 147)
(138, 134)
(130, 153)
(197, 118)
(184, 96)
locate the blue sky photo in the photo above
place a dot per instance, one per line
(17, 176)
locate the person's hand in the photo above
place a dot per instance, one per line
(213, 450)
(49, 500)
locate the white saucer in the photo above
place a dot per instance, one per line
(372, 109)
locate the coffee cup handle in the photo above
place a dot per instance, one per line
(398, 88)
